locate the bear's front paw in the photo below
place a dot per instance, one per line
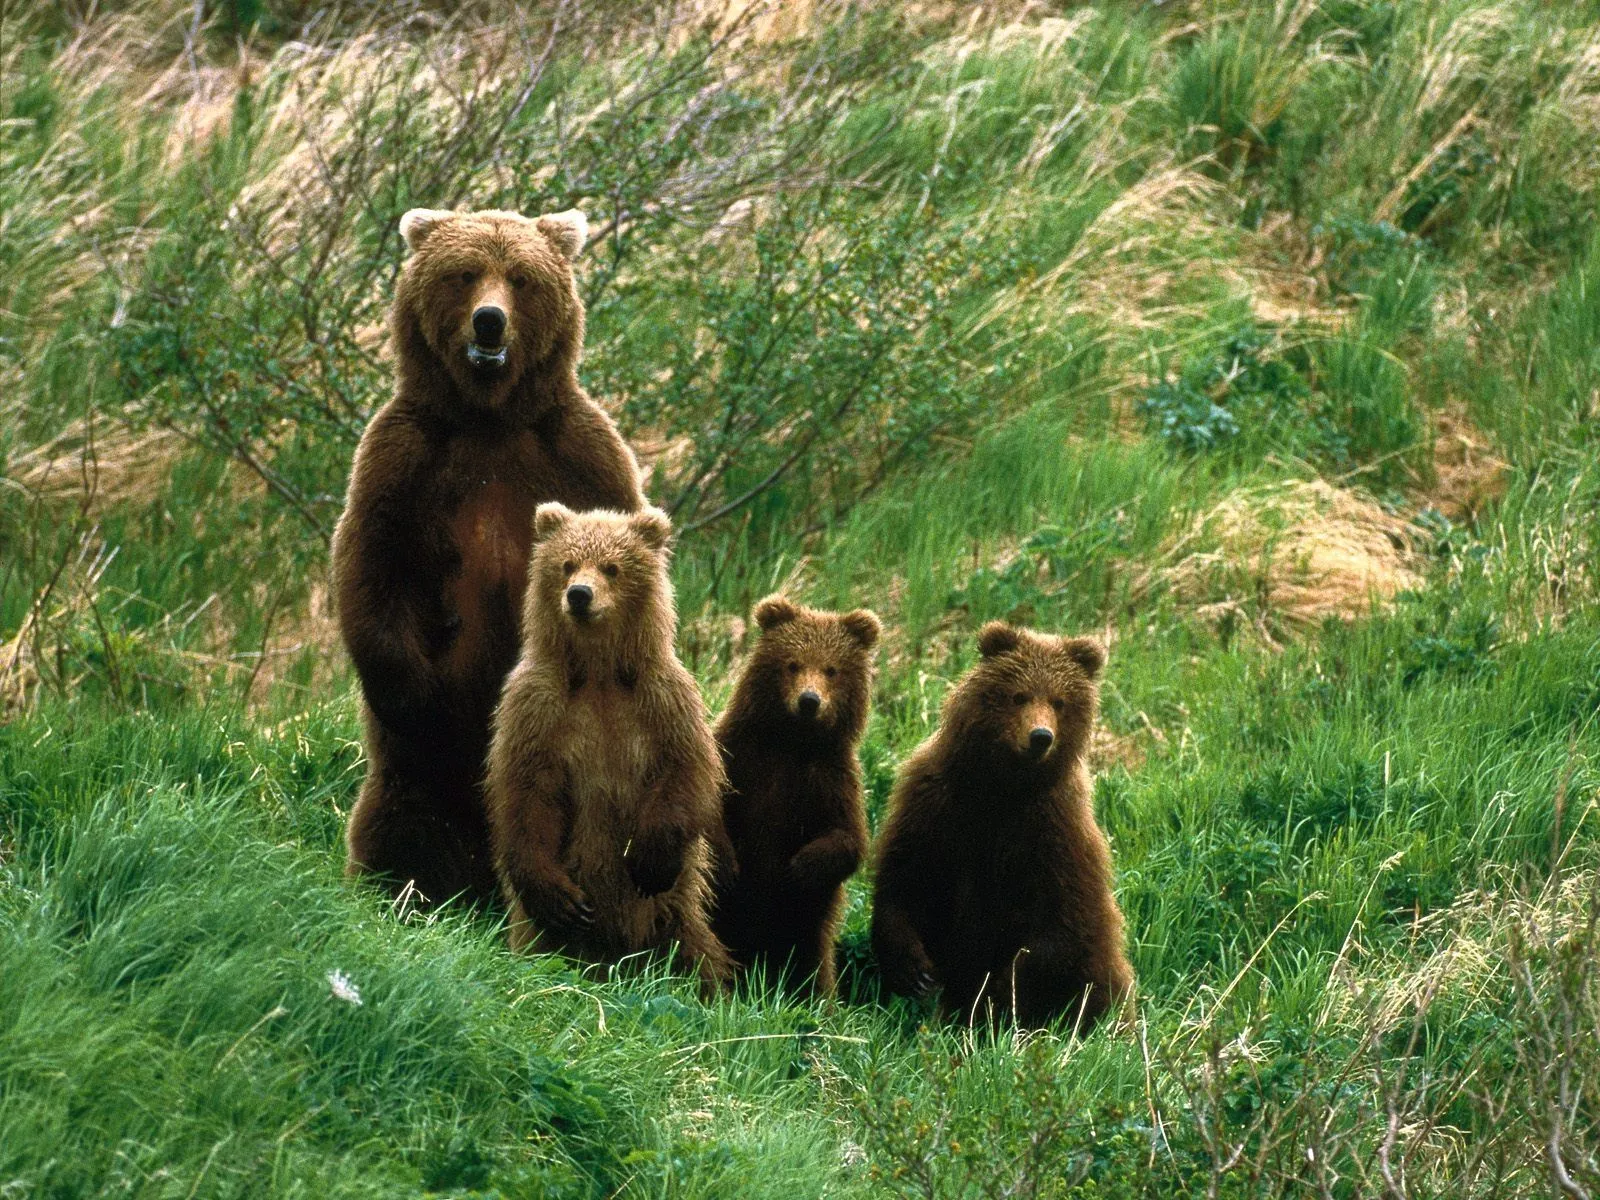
(568, 910)
(914, 977)
(822, 866)
(654, 860)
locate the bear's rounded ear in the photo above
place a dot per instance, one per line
(1089, 654)
(997, 637)
(776, 610)
(864, 626)
(418, 223)
(653, 526)
(567, 231)
(549, 517)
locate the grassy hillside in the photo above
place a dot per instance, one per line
(1261, 339)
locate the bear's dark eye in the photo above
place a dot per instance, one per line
(830, 672)
(610, 570)
(794, 668)
(1058, 704)
(569, 567)
(469, 277)
(1020, 698)
(519, 282)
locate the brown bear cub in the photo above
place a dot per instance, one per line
(993, 880)
(792, 810)
(603, 774)
(430, 558)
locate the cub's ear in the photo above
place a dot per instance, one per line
(1087, 653)
(417, 224)
(653, 526)
(864, 626)
(567, 231)
(774, 611)
(997, 637)
(548, 518)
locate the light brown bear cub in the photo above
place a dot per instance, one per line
(603, 775)
(993, 880)
(431, 554)
(793, 810)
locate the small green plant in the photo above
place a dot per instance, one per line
(1244, 390)
(1051, 570)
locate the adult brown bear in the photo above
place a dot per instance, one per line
(430, 557)
(993, 880)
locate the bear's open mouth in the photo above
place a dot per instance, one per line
(482, 356)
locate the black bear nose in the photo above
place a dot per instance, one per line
(1039, 741)
(810, 703)
(579, 597)
(489, 325)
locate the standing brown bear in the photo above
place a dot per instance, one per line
(993, 880)
(430, 558)
(603, 774)
(793, 811)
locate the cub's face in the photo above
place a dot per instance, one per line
(594, 572)
(815, 667)
(491, 293)
(1031, 698)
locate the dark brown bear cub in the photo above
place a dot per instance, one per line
(993, 880)
(792, 809)
(603, 774)
(431, 555)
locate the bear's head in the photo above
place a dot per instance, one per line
(811, 669)
(1030, 701)
(599, 578)
(489, 297)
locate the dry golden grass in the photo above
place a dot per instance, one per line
(97, 465)
(1299, 552)
(1468, 474)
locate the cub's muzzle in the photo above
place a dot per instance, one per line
(580, 596)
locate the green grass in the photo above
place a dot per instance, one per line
(1139, 278)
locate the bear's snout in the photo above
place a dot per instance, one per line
(1040, 740)
(580, 598)
(809, 703)
(489, 325)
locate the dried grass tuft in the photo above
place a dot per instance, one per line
(1300, 552)
(1468, 474)
(104, 466)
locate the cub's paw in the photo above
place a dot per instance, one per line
(654, 859)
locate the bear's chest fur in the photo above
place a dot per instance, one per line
(777, 805)
(611, 755)
(490, 530)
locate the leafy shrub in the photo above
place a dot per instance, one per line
(1355, 250)
(1441, 194)
(1450, 641)
(807, 378)
(1054, 565)
(1245, 387)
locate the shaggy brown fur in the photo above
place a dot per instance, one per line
(793, 810)
(993, 880)
(430, 558)
(603, 774)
